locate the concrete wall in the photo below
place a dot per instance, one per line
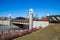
(35, 23)
(4, 22)
(40, 24)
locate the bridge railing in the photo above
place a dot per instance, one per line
(15, 33)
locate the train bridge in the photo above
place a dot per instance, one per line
(54, 18)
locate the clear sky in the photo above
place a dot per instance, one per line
(21, 7)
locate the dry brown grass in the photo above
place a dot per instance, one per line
(51, 32)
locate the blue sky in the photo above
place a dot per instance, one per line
(21, 7)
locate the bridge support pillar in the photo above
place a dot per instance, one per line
(30, 18)
(9, 20)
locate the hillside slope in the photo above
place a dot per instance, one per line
(51, 32)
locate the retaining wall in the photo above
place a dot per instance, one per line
(38, 24)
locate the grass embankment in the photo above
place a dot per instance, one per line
(51, 32)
